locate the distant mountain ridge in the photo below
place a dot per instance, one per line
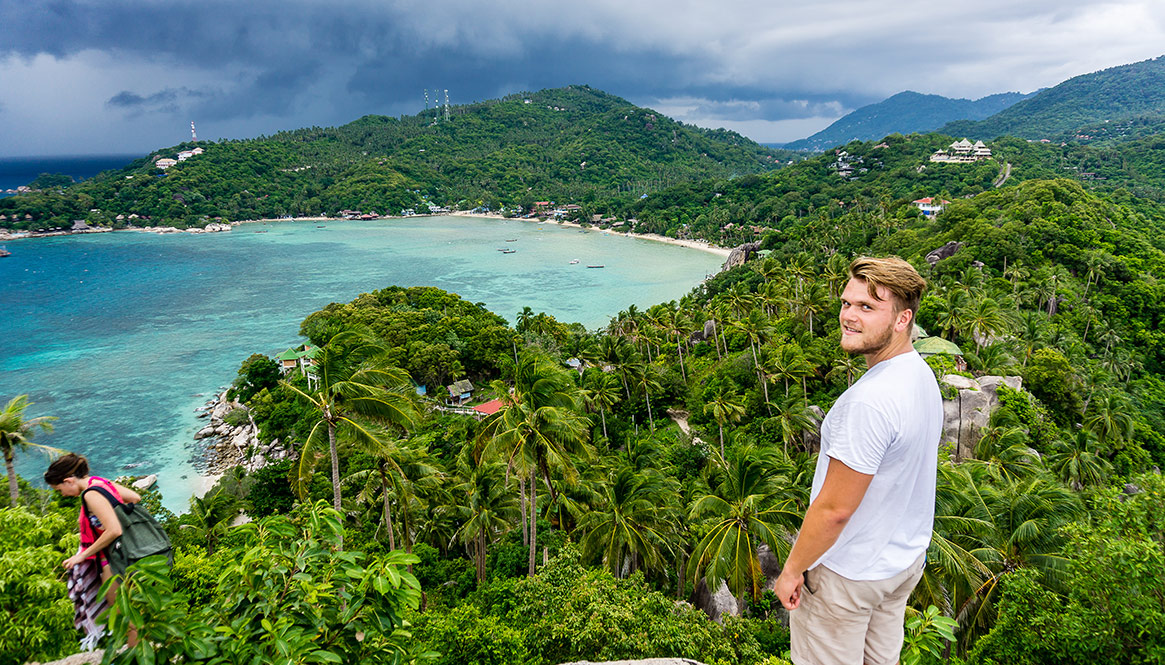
(904, 113)
(564, 144)
(1116, 93)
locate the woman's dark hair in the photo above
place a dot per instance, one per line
(66, 466)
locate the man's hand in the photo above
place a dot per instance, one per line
(788, 589)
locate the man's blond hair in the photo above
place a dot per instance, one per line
(899, 277)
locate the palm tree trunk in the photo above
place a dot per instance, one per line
(721, 440)
(650, 420)
(335, 466)
(388, 519)
(522, 504)
(603, 416)
(10, 467)
(716, 339)
(683, 372)
(533, 522)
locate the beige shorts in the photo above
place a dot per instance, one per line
(846, 622)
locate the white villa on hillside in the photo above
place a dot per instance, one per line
(963, 152)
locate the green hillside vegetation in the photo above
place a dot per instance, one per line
(1114, 94)
(907, 112)
(569, 144)
(566, 525)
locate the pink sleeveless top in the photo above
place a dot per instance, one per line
(90, 526)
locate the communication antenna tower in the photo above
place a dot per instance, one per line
(193, 135)
(426, 99)
(446, 103)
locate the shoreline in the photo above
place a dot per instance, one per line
(701, 245)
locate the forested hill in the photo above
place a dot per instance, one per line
(904, 113)
(1113, 94)
(573, 143)
(885, 177)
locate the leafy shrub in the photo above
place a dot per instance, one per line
(288, 595)
(270, 491)
(466, 637)
(36, 616)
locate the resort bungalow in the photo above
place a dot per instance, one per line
(297, 358)
(930, 346)
(460, 392)
(165, 163)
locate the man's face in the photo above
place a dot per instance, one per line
(867, 323)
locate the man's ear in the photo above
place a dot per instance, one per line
(905, 320)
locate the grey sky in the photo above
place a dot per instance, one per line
(102, 76)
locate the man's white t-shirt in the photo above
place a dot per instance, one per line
(887, 425)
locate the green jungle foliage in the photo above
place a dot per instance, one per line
(568, 524)
(1116, 93)
(36, 617)
(573, 143)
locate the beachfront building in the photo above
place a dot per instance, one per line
(301, 359)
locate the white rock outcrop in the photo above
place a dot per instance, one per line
(967, 412)
(235, 445)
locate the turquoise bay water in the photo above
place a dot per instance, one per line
(122, 335)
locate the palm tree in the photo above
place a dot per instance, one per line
(1111, 421)
(756, 327)
(848, 365)
(488, 507)
(398, 472)
(749, 506)
(984, 320)
(210, 517)
(633, 524)
(1077, 462)
(354, 383)
(725, 407)
(15, 432)
(601, 392)
(792, 419)
(647, 380)
(524, 318)
(537, 427)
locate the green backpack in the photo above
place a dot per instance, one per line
(141, 535)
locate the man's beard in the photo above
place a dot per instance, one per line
(869, 345)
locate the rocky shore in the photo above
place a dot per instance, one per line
(229, 445)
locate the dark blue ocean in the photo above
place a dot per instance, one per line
(122, 335)
(17, 171)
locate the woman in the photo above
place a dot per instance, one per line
(99, 526)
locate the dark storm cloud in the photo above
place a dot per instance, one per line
(167, 100)
(250, 67)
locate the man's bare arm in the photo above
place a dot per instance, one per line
(839, 498)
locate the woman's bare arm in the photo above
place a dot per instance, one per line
(127, 495)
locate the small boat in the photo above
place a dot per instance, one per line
(261, 231)
(508, 251)
(4, 252)
(573, 261)
(320, 226)
(597, 265)
(511, 240)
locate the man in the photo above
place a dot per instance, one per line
(862, 546)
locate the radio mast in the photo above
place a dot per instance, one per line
(446, 103)
(193, 135)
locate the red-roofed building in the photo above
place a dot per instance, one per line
(929, 207)
(489, 408)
